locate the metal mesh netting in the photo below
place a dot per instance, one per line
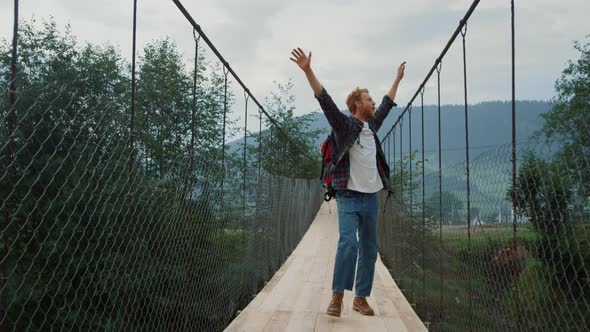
(498, 241)
(492, 274)
(171, 230)
(125, 208)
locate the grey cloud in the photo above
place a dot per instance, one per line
(110, 13)
(256, 36)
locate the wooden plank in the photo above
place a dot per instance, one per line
(249, 321)
(394, 325)
(291, 321)
(297, 296)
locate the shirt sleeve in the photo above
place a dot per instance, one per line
(382, 111)
(336, 119)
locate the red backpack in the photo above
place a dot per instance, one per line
(329, 156)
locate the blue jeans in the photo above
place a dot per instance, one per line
(356, 211)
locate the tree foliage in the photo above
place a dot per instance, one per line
(92, 241)
(568, 122)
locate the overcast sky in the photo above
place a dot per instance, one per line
(354, 43)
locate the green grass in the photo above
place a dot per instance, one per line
(480, 276)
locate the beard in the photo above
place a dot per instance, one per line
(370, 114)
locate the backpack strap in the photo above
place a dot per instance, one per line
(390, 193)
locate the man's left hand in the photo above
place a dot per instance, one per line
(400, 71)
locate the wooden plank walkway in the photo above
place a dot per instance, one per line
(296, 298)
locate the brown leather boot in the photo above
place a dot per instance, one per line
(335, 307)
(360, 304)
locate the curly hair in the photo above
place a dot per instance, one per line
(353, 97)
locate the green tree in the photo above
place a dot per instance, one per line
(71, 246)
(210, 109)
(164, 106)
(568, 122)
(70, 123)
(296, 155)
(400, 176)
(546, 189)
(542, 193)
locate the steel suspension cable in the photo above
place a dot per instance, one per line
(440, 211)
(11, 122)
(463, 33)
(423, 202)
(226, 65)
(437, 62)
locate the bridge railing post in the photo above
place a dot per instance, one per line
(8, 168)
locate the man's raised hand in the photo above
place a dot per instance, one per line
(400, 71)
(400, 74)
(302, 60)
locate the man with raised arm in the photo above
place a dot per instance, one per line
(359, 173)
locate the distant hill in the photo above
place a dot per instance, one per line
(489, 126)
(490, 136)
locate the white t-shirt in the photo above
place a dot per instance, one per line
(364, 176)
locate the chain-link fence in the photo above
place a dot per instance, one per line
(497, 270)
(498, 241)
(123, 207)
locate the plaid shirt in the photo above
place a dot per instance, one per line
(346, 131)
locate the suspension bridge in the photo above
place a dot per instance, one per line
(124, 209)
